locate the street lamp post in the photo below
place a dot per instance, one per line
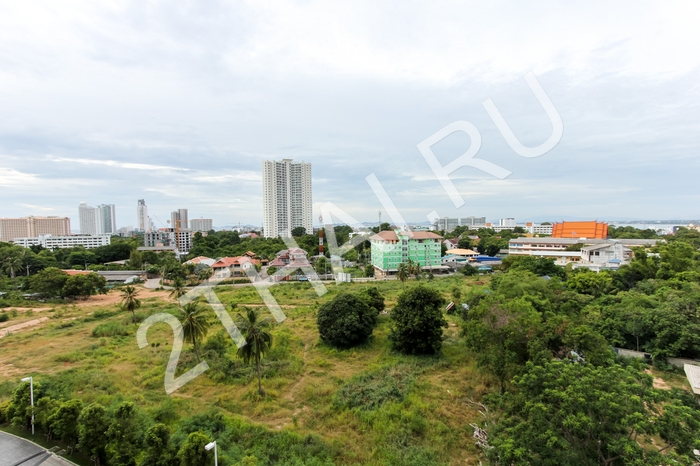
(31, 396)
(208, 447)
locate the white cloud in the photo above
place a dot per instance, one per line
(179, 104)
(10, 178)
(115, 163)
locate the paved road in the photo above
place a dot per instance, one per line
(15, 451)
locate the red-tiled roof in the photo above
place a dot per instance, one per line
(425, 235)
(386, 235)
(277, 262)
(199, 259)
(229, 261)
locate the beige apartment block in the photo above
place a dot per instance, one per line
(11, 228)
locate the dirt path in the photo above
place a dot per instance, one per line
(25, 309)
(114, 298)
(658, 382)
(23, 325)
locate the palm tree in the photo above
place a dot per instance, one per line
(13, 263)
(194, 325)
(402, 273)
(178, 288)
(130, 302)
(258, 339)
(417, 271)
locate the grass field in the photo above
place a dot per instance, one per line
(368, 404)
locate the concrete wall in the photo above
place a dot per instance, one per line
(677, 362)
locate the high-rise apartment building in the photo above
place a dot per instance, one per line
(201, 224)
(178, 219)
(287, 199)
(100, 220)
(88, 219)
(144, 223)
(11, 228)
(107, 219)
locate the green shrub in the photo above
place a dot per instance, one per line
(371, 390)
(346, 321)
(100, 315)
(4, 317)
(4, 407)
(111, 329)
(374, 298)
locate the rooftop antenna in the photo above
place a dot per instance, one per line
(380, 218)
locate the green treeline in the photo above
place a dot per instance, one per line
(545, 335)
(121, 434)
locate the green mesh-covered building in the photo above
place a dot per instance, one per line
(390, 248)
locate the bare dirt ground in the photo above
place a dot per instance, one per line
(114, 298)
(108, 299)
(658, 382)
(23, 325)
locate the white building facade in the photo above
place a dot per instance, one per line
(100, 220)
(201, 224)
(287, 197)
(106, 219)
(61, 242)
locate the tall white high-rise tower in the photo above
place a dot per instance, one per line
(88, 219)
(107, 219)
(98, 220)
(287, 201)
(142, 216)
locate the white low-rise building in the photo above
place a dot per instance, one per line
(62, 242)
(579, 250)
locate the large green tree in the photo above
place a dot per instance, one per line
(83, 286)
(64, 421)
(192, 452)
(417, 321)
(567, 413)
(93, 423)
(124, 435)
(158, 451)
(346, 320)
(49, 282)
(499, 335)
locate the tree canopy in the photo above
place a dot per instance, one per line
(417, 321)
(346, 320)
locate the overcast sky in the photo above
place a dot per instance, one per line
(179, 102)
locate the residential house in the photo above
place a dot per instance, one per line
(202, 260)
(233, 266)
